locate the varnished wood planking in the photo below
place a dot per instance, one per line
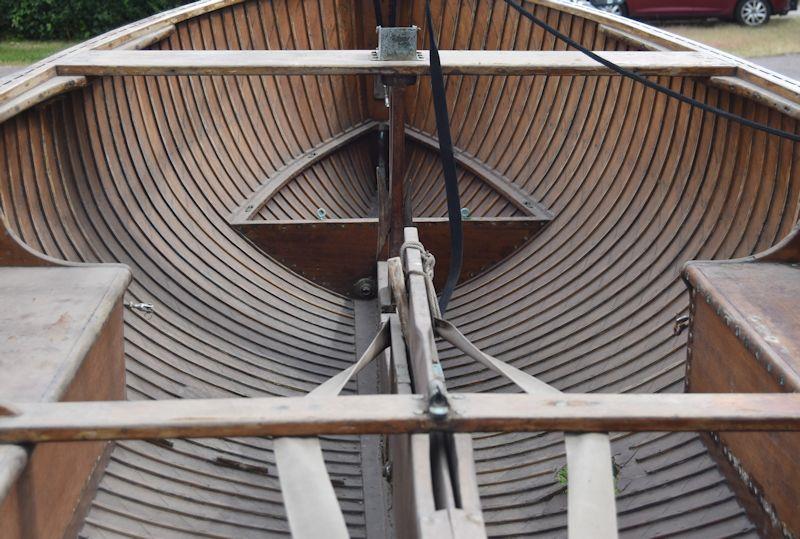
(313, 247)
(167, 354)
(637, 183)
(633, 146)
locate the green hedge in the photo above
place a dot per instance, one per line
(73, 19)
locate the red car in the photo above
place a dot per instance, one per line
(747, 12)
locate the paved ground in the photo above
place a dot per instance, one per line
(788, 64)
(8, 70)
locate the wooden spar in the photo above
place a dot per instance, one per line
(353, 62)
(376, 414)
(450, 487)
(399, 192)
(419, 330)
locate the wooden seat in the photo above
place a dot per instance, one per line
(745, 338)
(54, 319)
(757, 301)
(60, 340)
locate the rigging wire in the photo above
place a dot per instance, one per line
(448, 166)
(445, 138)
(648, 83)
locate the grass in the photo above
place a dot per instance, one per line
(780, 36)
(20, 53)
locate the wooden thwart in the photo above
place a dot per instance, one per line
(375, 414)
(352, 62)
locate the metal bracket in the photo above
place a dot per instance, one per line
(438, 403)
(681, 323)
(146, 308)
(397, 44)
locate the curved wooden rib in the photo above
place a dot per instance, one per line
(504, 186)
(314, 180)
(146, 170)
(275, 183)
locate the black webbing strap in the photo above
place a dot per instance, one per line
(647, 82)
(376, 4)
(448, 166)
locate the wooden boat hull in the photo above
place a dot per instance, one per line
(147, 171)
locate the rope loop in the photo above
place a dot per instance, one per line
(428, 260)
(428, 263)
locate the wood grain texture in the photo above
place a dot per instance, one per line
(146, 170)
(393, 414)
(720, 362)
(744, 338)
(361, 62)
(77, 357)
(314, 248)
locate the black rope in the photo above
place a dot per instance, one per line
(643, 80)
(448, 166)
(376, 4)
(392, 12)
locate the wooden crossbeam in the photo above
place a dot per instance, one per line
(351, 62)
(374, 414)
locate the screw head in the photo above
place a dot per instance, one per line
(365, 288)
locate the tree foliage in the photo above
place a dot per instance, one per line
(73, 19)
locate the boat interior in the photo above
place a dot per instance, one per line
(195, 231)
